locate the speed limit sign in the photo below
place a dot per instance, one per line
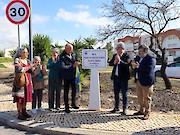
(17, 11)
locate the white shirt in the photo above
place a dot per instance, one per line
(116, 72)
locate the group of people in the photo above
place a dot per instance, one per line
(28, 82)
(29, 79)
(143, 65)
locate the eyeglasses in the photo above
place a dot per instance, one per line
(118, 48)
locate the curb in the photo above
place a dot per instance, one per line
(50, 129)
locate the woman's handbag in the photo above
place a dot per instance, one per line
(20, 80)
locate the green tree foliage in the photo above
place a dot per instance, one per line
(79, 45)
(89, 42)
(42, 46)
(57, 45)
(109, 47)
(1, 53)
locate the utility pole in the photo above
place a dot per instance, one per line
(30, 32)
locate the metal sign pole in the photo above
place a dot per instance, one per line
(19, 44)
(30, 32)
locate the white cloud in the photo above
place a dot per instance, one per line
(9, 33)
(39, 19)
(82, 7)
(81, 17)
(173, 24)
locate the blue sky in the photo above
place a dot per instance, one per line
(59, 19)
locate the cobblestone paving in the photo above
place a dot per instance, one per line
(159, 123)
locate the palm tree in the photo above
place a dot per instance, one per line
(90, 42)
(42, 46)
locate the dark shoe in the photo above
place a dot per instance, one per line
(146, 116)
(25, 113)
(21, 116)
(138, 113)
(75, 107)
(114, 110)
(124, 112)
(67, 111)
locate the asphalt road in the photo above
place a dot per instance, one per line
(6, 130)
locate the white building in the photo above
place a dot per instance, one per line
(169, 40)
(7, 51)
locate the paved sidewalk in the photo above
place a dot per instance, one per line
(83, 121)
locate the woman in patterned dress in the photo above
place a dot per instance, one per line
(22, 94)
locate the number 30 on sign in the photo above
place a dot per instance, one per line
(17, 11)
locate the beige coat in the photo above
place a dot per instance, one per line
(36, 84)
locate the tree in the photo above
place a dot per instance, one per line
(56, 45)
(139, 16)
(89, 42)
(1, 53)
(79, 45)
(42, 46)
(109, 47)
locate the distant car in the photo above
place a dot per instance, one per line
(172, 70)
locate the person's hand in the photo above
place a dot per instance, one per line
(76, 63)
(32, 65)
(117, 59)
(134, 64)
(41, 67)
(54, 59)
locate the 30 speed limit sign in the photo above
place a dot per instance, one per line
(17, 11)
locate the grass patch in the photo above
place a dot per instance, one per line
(5, 59)
(2, 66)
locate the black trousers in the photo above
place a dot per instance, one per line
(67, 84)
(37, 95)
(54, 88)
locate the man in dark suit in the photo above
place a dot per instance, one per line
(144, 65)
(68, 66)
(120, 76)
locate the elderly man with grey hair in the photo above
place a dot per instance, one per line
(68, 64)
(120, 76)
(144, 65)
(55, 81)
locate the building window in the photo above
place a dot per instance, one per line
(172, 37)
(172, 53)
(172, 45)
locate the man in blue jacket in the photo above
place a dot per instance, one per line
(68, 66)
(144, 65)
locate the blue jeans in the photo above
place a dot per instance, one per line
(123, 86)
